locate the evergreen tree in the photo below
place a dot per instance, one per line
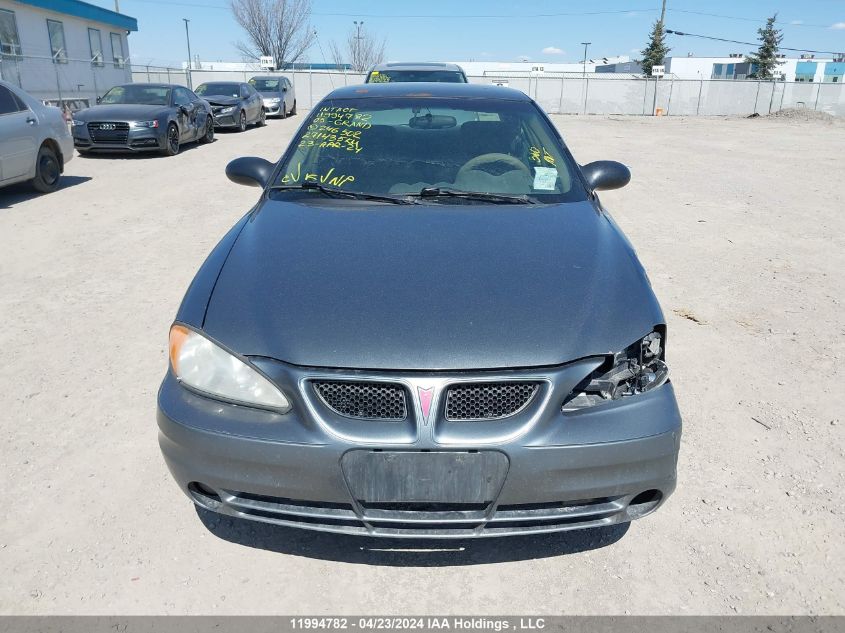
(766, 58)
(656, 50)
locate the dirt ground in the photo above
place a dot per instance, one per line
(741, 225)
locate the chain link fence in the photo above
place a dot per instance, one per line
(69, 83)
(77, 83)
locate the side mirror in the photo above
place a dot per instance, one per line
(99, 99)
(250, 170)
(606, 174)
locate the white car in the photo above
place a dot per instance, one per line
(35, 142)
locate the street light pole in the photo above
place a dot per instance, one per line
(188, 38)
(357, 61)
(585, 44)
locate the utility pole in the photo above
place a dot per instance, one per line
(117, 6)
(663, 13)
(585, 44)
(188, 38)
(358, 39)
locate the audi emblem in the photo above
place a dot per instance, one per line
(108, 126)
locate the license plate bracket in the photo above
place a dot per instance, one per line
(459, 477)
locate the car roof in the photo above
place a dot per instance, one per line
(417, 66)
(145, 84)
(268, 77)
(428, 89)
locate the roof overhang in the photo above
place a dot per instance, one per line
(85, 11)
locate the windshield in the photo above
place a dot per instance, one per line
(265, 85)
(137, 94)
(386, 76)
(219, 89)
(403, 145)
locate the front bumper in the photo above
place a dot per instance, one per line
(602, 466)
(272, 108)
(136, 140)
(227, 120)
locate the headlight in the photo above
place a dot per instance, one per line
(76, 123)
(143, 124)
(273, 100)
(637, 369)
(226, 110)
(208, 368)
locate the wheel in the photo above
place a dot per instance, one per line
(262, 118)
(48, 171)
(293, 109)
(209, 131)
(242, 122)
(283, 113)
(171, 145)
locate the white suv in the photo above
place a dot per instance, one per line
(35, 142)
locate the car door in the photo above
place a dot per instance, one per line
(199, 114)
(18, 137)
(186, 114)
(287, 94)
(249, 103)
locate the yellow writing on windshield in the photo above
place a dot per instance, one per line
(540, 155)
(337, 128)
(328, 178)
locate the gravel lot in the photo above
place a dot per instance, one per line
(740, 224)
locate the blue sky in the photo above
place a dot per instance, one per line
(501, 30)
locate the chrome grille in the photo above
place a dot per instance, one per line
(109, 132)
(489, 400)
(364, 400)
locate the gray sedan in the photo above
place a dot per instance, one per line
(143, 118)
(35, 143)
(277, 93)
(487, 360)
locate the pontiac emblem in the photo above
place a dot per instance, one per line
(426, 396)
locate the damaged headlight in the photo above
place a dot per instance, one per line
(637, 369)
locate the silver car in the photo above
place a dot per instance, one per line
(35, 142)
(277, 93)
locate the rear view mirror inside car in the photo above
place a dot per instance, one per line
(432, 122)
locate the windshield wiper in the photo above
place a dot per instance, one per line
(340, 193)
(437, 192)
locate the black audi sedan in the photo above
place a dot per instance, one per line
(141, 118)
(428, 325)
(234, 104)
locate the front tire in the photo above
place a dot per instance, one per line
(293, 109)
(48, 171)
(262, 118)
(242, 122)
(171, 141)
(283, 113)
(209, 131)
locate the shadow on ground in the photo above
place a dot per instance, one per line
(21, 192)
(364, 550)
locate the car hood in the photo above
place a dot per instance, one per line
(270, 95)
(120, 112)
(430, 287)
(221, 100)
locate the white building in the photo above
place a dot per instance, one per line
(64, 49)
(487, 68)
(735, 67)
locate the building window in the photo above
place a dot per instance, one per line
(10, 43)
(96, 46)
(117, 50)
(57, 41)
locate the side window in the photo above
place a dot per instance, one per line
(181, 97)
(192, 96)
(8, 102)
(117, 50)
(10, 43)
(58, 50)
(95, 44)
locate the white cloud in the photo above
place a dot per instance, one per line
(796, 22)
(553, 50)
(839, 26)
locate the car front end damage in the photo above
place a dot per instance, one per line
(448, 454)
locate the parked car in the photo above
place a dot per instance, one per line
(35, 143)
(142, 118)
(487, 360)
(277, 93)
(426, 71)
(234, 104)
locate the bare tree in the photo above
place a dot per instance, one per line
(361, 50)
(280, 28)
